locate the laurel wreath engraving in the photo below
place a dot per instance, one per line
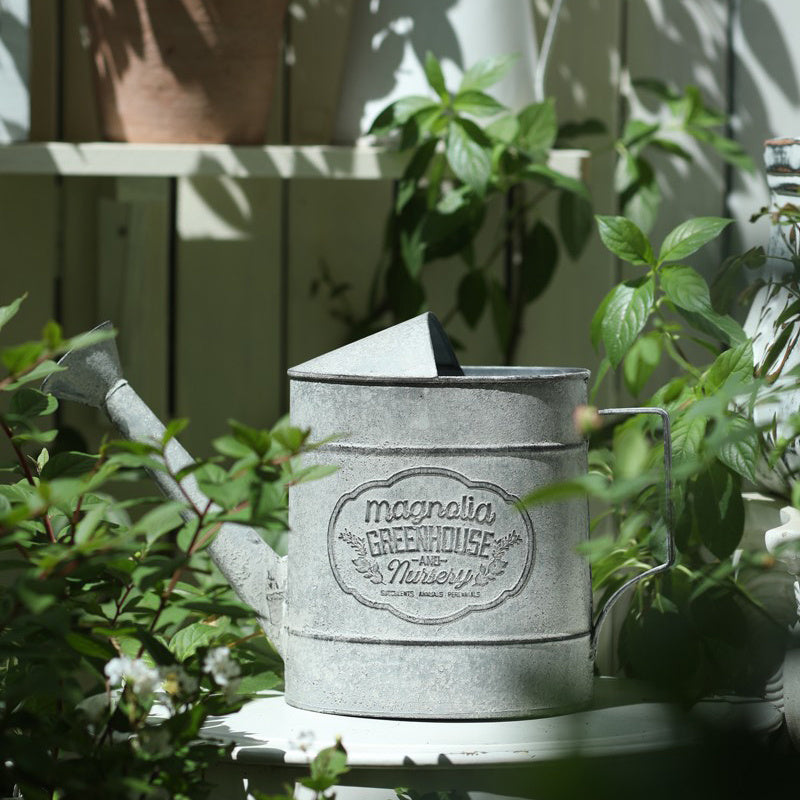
(366, 567)
(497, 566)
(486, 572)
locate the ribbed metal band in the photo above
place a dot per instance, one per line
(456, 450)
(566, 637)
(447, 381)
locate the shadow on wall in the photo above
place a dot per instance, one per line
(14, 112)
(764, 37)
(766, 96)
(419, 24)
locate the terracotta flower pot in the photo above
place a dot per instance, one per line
(185, 70)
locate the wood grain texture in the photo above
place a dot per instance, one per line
(227, 315)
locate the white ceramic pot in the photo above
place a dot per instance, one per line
(390, 38)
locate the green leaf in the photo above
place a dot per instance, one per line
(719, 510)
(690, 236)
(21, 357)
(326, 768)
(687, 437)
(468, 155)
(625, 239)
(641, 361)
(407, 107)
(87, 339)
(290, 437)
(36, 375)
(220, 487)
(188, 640)
(89, 647)
(68, 465)
(538, 126)
(412, 250)
(486, 73)
(187, 536)
(596, 327)
(791, 311)
(631, 451)
(453, 200)
(741, 450)
(736, 363)
(477, 104)
(505, 129)
(585, 127)
(398, 113)
(28, 402)
(433, 73)
(472, 294)
(313, 472)
(673, 148)
(263, 681)
(406, 296)
(257, 440)
(156, 523)
(7, 313)
(154, 647)
(730, 150)
(638, 133)
(539, 260)
(90, 523)
(174, 428)
(232, 447)
(720, 326)
(574, 222)
(557, 179)
(641, 198)
(686, 288)
(625, 316)
(657, 87)
(40, 437)
(773, 356)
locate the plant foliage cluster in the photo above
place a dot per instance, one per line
(117, 638)
(477, 187)
(698, 628)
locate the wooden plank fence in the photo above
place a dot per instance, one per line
(208, 278)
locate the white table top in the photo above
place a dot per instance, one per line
(624, 719)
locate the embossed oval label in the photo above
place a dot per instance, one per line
(430, 545)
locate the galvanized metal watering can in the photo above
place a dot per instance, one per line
(418, 585)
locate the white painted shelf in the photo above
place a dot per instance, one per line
(95, 159)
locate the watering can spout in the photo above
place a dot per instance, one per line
(257, 574)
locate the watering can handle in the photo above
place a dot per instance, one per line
(668, 515)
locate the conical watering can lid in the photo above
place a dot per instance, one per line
(417, 348)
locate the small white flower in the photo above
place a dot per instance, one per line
(142, 678)
(115, 669)
(219, 664)
(177, 682)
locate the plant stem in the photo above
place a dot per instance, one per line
(775, 374)
(28, 474)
